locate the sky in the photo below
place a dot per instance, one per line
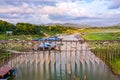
(84, 12)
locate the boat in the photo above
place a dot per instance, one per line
(6, 72)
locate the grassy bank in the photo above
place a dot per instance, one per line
(16, 45)
(27, 37)
(107, 50)
(116, 66)
(4, 55)
(102, 36)
(19, 37)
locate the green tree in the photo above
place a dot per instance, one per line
(5, 26)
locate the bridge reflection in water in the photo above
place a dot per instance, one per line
(74, 61)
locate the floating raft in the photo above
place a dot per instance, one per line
(6, 72)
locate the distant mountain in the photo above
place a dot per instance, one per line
(69, 25)
(82, 26)
(118, 24)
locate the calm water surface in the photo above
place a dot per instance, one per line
(70, 64)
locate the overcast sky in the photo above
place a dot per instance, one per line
(88, 12)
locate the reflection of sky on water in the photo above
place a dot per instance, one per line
(35, 70)
(66, 65)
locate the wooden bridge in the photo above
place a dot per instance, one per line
(85, 50)
(79, 51)
(69, 53)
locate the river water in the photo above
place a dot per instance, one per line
(69, 64)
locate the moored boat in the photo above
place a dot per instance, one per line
(6, 72)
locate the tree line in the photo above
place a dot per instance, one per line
(27, 28)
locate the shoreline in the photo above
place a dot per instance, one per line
(109, 66)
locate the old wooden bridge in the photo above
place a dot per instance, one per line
(69, 53)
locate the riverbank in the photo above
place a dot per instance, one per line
(116, 67)
(108, 51)
(106, 45)
(113, 66)
(4, 56)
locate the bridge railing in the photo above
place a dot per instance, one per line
(106, 49)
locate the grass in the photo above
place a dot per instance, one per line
(20, 37)
(102, 36)
(108, 51)
(98, 30)
(116, 66)
(27, 37)
(4, 55)
(2, 37)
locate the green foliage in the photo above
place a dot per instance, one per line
(109, 52)
(102, 36)
(116, 66)
(25, 28)
(5, 26)
(31, 29)
(20, 37)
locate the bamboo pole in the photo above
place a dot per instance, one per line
(76, 54)
(66, 54)
(85, 77)
(49, 58)
(70, 52)
(60, 72)
(60, 59)
(43, 53)
(55, 56)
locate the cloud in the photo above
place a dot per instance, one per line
(51, 11)
(30, 2)
(70, 18)
(115, 4)
(9, 16)
(60, 17)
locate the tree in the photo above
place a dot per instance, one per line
(5, 26)
(25, 28)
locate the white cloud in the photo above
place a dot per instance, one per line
(77, 8)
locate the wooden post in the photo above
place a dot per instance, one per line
(76, 54)
(49, 58)
(38, 59)
(60, 59)
(85, 78)
(70, 57)
(66, 45)
(66, 54)
(60, 46)
(55, 71)
(69, 69)
(43, 53)
(60, 72)
(44, 58)
(55, 49)
(55, 58)
(66, 71)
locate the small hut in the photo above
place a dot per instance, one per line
(8, 33)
